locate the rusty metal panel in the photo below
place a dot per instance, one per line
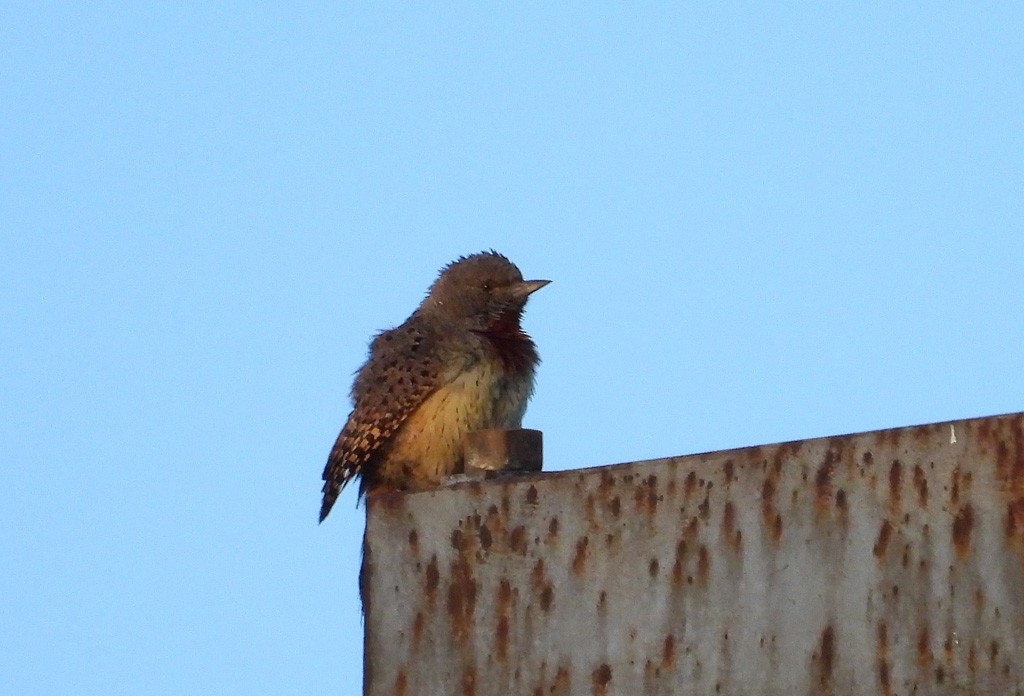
(889, 562)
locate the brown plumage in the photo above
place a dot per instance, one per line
(460, 363)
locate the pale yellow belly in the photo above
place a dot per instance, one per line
(428, 446)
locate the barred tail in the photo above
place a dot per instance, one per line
(331, 490)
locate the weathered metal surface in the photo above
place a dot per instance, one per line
(889, 562)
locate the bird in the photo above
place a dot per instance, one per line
(461, 362)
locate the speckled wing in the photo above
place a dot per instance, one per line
(404, 368)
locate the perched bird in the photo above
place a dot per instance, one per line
(460, 363)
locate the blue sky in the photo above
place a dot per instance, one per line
(763, 223)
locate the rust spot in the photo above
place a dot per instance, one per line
(602, 677)
(432, 577)
(924, 648)
(517, 540)
(588, 511)
(504, 595)
(954, 493)
(691, 528)
(607, 483)
(668, 652)
(391, 500)
(537, 574)
(652, 568)
(972, 658)
(882, 542)
(677, 567)
(552, 530)
(730, 475)
(703, 565)
(615, 505)
(993, 653)
(560, 687)
(469, 682)
(690, 485)
(787, 450)
(504, 607)
(652, 486)
(646, 495)
(826, 654)
(414, 541)
(841, 504)
(579, 561)
(884, 668)
(458, 540)
(823, 479)
(531, 495)
(461, 600)
(921, 486)
(705, 507)
(777, 529)
(547, 596)
(485, 537)
(417, 628)
(768, 509)
(1015, 518)
(895, 481)
(729, 521)
(867, 459)
(538, 577)
(963, 526)
(401, 683)
(1010, 457)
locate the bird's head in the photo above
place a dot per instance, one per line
(484, 292)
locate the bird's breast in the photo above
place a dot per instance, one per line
(428, 446)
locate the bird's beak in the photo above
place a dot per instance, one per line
(528, 287)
